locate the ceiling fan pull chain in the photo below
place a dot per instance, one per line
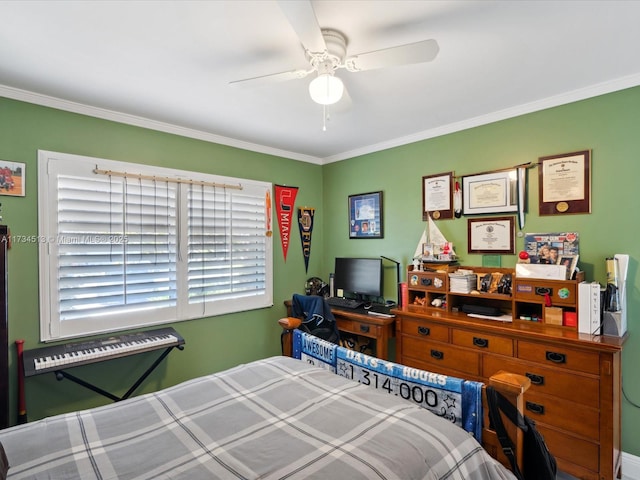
(324, 118)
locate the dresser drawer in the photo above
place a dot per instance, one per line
(532, 290)
(482, 342)
(558, 383)
(572, 417)
(440, 355)
(425, 329)
(574, 450)
(359, 328)
(560, 357)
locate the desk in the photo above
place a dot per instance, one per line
(358, 322)
(381, 329)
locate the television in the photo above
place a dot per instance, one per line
(358, 277)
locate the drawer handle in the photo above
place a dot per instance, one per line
(535, 379)
(424, 331)
(556, 357)
(535, 408)
(480, 342)
(364, 328)
(542, 291)
(437, 354)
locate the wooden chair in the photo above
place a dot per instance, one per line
(288, 324)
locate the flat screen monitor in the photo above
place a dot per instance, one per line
(359, 276)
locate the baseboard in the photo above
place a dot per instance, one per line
(630, 467)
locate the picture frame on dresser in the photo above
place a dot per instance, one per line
(569, 261)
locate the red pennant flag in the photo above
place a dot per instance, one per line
(285, 198)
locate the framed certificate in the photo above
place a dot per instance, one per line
(437, 196)
(564, 183)
(490, 193)
(491, 235)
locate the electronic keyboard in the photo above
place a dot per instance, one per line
(58, 357)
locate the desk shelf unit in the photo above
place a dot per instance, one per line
(529, 298)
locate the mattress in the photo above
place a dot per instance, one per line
(277, 418)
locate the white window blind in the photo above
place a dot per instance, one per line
(128, 251)
(226, 244)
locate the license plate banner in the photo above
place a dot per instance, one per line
(457, 400)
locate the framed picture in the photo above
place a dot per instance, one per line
(12, 178)
(365, 215)
(437, 196)
(546, 248)
(569, 261)
(564, 183)
(490, 193)
(491, 235)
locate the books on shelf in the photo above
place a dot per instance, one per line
(462, 282)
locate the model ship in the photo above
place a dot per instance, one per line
(433, 247)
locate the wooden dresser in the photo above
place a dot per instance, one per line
(575, 397)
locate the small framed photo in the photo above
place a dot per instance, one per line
(490, 193)
(569, 261)
(365, 215)
(12, 178)
(564, 183)
(491, 235)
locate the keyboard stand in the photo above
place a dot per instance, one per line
(61, 374)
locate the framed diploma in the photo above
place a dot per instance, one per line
(490, 193)
(437, 196)
(491, 235)
(564, 183)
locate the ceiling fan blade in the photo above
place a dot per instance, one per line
(303, 19)
(270, 79)
(418, 52)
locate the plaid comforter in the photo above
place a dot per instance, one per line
(272, 419)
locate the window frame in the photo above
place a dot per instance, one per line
(52, 328)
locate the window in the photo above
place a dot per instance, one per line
(154, 245)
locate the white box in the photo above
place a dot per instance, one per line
(589, 320)
(541, 271)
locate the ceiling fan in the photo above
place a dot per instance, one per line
(326, 51)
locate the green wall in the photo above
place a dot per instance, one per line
(212, 344)
(607, 125)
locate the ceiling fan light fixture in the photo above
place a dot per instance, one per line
(326, 89)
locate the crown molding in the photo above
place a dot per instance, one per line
(550, 102)
(105, 114)
(112, 115)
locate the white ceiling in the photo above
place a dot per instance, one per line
(167, 65)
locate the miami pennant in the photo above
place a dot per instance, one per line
(285, 198)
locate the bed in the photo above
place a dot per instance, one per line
(274, 418)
